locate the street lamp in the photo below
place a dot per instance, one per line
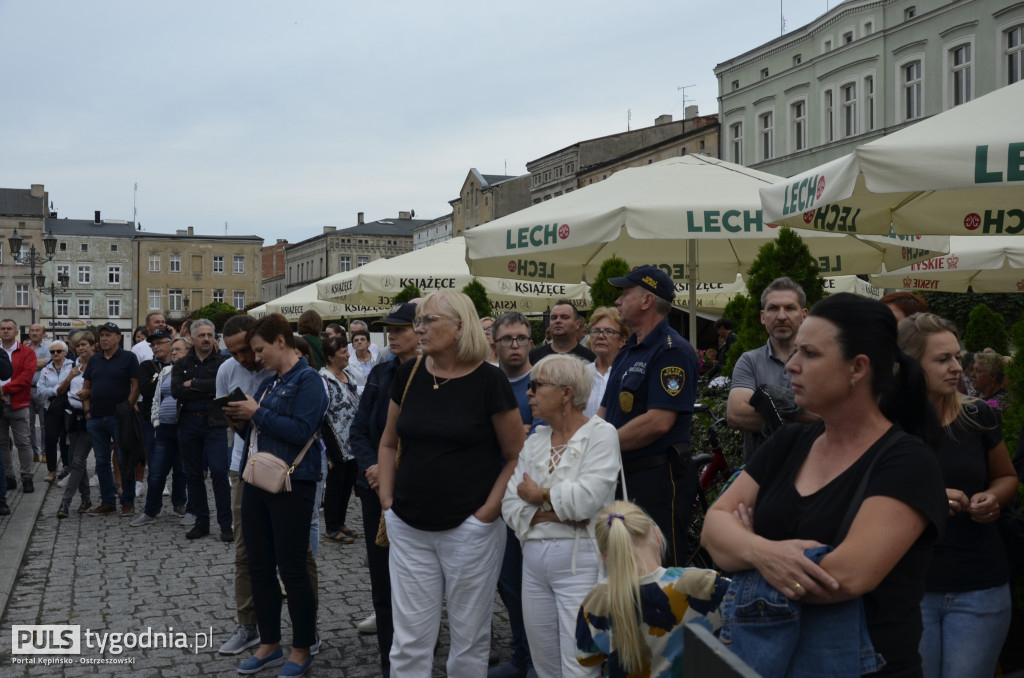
(33, 258)
(63, 280)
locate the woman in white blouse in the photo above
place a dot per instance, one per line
(607, 336)
(567, 471)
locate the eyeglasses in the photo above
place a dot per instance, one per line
(533, 384)
(56, 352)
(521, 340)
(604, 332)
(426, 321)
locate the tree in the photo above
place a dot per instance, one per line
(475, 291)
(603, 293)
(408, 293)
(787, 256)
(1013, 417)
(217, 311)
(986, 329)
(957, 306)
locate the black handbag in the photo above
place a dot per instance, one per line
(57, 405)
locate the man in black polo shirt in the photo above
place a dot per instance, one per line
(566, 323)
(203, 442)
(111, 377)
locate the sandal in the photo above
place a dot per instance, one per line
(339, 537)
(349, 531)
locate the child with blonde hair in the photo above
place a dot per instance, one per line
(633, 622)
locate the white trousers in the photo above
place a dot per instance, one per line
(460, 564)
(552, 596)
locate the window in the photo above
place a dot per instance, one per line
(218, 296)
(799, 113)
(767, 132)
(63, 271)
(570, 167)
(85, 247)
(175, 263)
(701, 145)
(62, 307)
(764, 73)
(84, 308)
(113, 247)
(797, 60)
(114, 274)
(736, 142)
(912, 90)
(239, 264)
(174, 300)
(735, 85)
(830, 118)
(21, 295)
(155, 300)
(849, 110)
(23, 255)
(909, 13)
(84, 274)
(961, 74)
(344, 263)
(62, 247)
(869, 101)
(239, 299)
(154, 263)
(847, 37)
(362, 261)
(1015, 54)
(218, 263)
(113, 308)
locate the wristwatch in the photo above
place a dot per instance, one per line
(545, 497)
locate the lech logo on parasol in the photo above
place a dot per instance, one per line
(972, 221)
(512, 266)
(563, 231)
(821, 188)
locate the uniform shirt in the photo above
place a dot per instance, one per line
(658, 373)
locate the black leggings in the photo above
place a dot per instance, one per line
(337, 491)
(54, 433)
(276, 532)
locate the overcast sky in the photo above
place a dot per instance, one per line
(282, 117)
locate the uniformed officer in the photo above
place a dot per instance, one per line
(649, 399)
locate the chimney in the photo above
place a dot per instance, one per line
(281, 241)
(359, 217)
(691, 112)
(405, 215)
(663, 119)
(96, 219)
(191, 231)
(330, 229)
(37, 191)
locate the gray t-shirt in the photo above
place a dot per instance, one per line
(755, 368)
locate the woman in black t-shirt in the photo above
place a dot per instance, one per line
(801, 482)
(461, 432)
(966, 607)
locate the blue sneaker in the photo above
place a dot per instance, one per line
(255, 664)
(291, 669)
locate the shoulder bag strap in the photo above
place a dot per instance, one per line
(416, 366)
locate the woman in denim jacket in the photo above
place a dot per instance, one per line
(286, 413)
(873, 405)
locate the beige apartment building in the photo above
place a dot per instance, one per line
(486, 197)
(179, 272)
(23, 210)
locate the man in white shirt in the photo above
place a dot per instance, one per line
(142, 350)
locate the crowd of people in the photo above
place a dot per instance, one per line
(560, 475)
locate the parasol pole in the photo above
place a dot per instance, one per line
(691, 266)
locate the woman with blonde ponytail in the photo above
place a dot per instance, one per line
(633, 622)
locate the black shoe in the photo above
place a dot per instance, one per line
(64, 473)
(64, 511)
(12, 484)
(227, 534)
(5, 510)
(27, 486)
(198, 530)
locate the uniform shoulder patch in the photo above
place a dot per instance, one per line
(673, 379)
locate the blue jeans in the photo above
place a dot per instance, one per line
(314, 525)
(103, 432)
(163, 459)
(202, 447)
(964, 632)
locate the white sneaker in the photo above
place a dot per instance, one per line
(63, 482)
(189, 520)
(94, 481)
(140, 488)
(368, 625)
(243, 638)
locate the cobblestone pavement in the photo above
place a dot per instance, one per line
(112, 578)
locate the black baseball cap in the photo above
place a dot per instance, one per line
(650, 278)
(158, 334)
(109, 327)
(402, 314)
